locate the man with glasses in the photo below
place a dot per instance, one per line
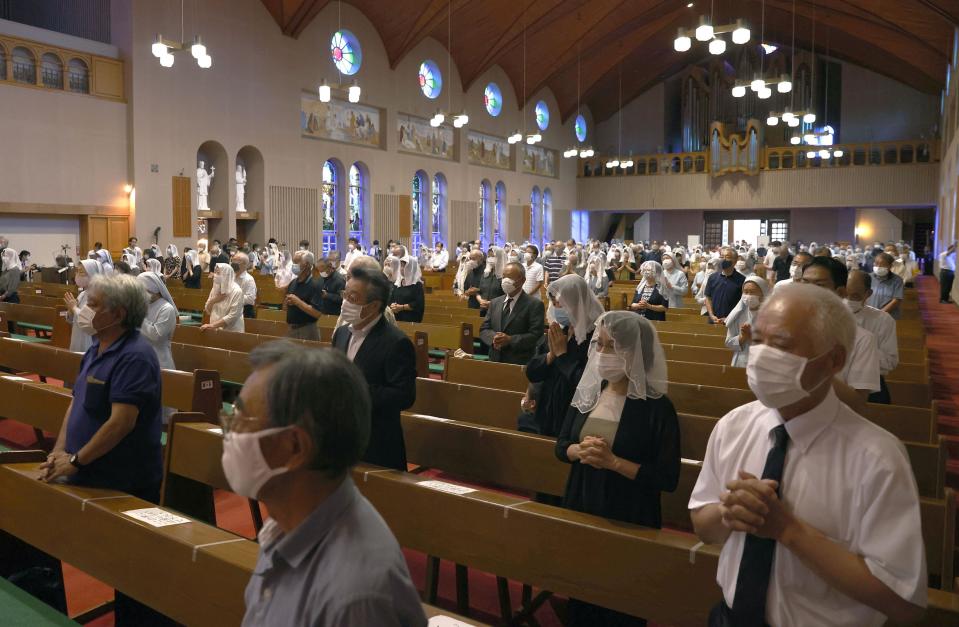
(327, 558)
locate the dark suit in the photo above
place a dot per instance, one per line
(333, 285)
(388, 361)
(524, 326)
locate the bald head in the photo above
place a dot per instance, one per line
(858, 286)
(367, 263)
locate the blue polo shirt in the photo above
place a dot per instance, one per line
(725, 291)
(127, 372)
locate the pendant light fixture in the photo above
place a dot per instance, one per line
(789, 117)
(517, 136)
(352, 91)
(164, 49)
(461, 119)
(620, 161)
(824, 138)
(706, 32)
(583, 151)
(761, 84)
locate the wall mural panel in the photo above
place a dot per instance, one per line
(539, 160)
(489, 151)
(341, 121)
(418, 137)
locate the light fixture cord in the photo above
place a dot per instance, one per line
(181, 21)
(524, 68)
(792, 91)
(579, 61)
(620, 110)
(762, 55)
(812, 80)
(449, 53)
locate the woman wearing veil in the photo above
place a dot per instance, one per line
(192, 271)
(740, 319)
(80, 340)
(621, 436)
(283, 275)
(491, 284)
(408, 299)
(650, 300)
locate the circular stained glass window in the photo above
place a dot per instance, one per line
(346, 52)
(580, 128)
(431, 81)
(493, 99)
(542, 115)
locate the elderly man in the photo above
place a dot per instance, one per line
(947, 272)
(110, 436)
(440, 259)
(368, 264)
(326, 558)
(886, 286)
(471, 284)
(860, 377)
(241, 265)
(724, 289)
(799, 263)
(304, 301)
(515, 321)
(331, 285)
(879, 323)
(815, 506)
(386, 358)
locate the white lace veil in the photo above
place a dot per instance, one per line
(573, 294)
(658, 275)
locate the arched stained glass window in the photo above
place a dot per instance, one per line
(493, 99)
(357, 200)
(534, 212)
(418, 203)
(438, 206)
(542, 115)
(431, 81)
(330, 180)
(499, 215)
(484, 213)
(580, 128)
(547, 215)
(346, 52)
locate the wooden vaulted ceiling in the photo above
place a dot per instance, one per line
(907, 40)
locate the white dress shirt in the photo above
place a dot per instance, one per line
(846, 477)
(861, 371)
(440, 260)
(351, 256)
(535, 274)
(358, 336)
(947, 261)
(883, 327)
(248, 285)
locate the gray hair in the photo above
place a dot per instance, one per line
(307, 257)
(366, 263)
(322, 392)
(519, 266)
(122, 291)
(829, 318)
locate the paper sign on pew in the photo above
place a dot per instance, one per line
(156, 517)
(447, 621)
(443, 486)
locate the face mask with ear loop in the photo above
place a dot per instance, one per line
(775, 376)
(243, 463)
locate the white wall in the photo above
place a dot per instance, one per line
(878, 225)
(42, 236)
(643, 125)
(876, 108)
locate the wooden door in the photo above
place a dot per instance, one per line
(182, 208)
(98, 231)
(118, 232)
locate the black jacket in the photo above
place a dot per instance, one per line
(333, 285)
(388, 361)
(525, 325)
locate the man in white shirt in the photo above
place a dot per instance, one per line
(241, 263)
(877, 322)
(353, 251)
(441, 258)
(816, 507)
(947, 272)
(535, 273)
(860, 376)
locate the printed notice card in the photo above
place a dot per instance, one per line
(156, 517)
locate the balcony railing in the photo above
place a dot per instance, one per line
(80, 82)
(773, 159)
(51, 78)
(36, 64)
(24, 72)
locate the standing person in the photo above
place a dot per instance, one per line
(816, 508)
(621, 437)
(649, 300)
(160, 320)
(225, 304)
(514, 323)
(9, 276)
(153, 265)
(553, 262)
(326, 556)
(240, 264)
(171, 264)
(217, 255)
(562, 353)
(283, 275)
(440, 259)
(193, 271)
(535, 274)
(408, 300)
(887, 288)
(475, 267)
(386, 358)
(203, 253)
(879, 323)
(491, 284)
(110, 436)
(331, 285)
(596, 278)
(80, 338)
(303, 302)
(947, 272)
(134, 250)
(725, 288)
(782, 264)
(353, 252)
(740, 320)
(675, 281)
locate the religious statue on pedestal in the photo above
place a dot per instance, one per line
(203, 181)
(240, 189)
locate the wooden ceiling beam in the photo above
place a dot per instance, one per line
(303, 16)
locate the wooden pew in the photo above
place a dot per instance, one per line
(48, 319)
(230, 340)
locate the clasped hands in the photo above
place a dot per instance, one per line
(753, 506)
(57, 465)
(595, 452)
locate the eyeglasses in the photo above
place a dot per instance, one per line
(232, 420)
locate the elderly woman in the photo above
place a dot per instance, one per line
(676, 282)
(161, 318)
(225, 304)
(621, 436)
(80, 339)
(491, 284)
(650, 300)
(192, 270)
(408, 299)
(562, 354)
(171, 265)
(596, 277)
(131, 261)
(106, 261)
(10, 271)
(740, 319)
(462, 269)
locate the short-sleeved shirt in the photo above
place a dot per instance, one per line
(308, 292)
(534, 274)
(781, 267)
(862, 368)
(340, 566)
(553, 266)
(884, 290)
(127, 372)
(725, 291)
(844, 476)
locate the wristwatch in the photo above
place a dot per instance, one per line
(75, 461)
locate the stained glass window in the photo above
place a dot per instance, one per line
(499, 230)
(357, 199)
(493, 99)
(438, 206)
(534, 212)
(420, 186)
(346, 52)
(484, 192)
(329, 206)
(580, 128)
(542, 115)
(431, 81)
(547, 215)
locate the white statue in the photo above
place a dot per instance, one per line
(240, 189)
(203, 181)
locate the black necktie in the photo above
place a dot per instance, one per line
(506, 308)
(755, 568)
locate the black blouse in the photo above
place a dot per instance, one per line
(559, 380)
(491, 286)
(413, 296)
(648, 435)
(654, 299)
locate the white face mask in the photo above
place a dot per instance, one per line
(648, 274)
(351, 312)
(795, 272)
(83, 281)
(668, 264)
(881, 271)
(325, 275)
(751, 301)
(610, 366)
(84, 318)
(775, 376)
(509, 286)
(243, 463)
(527, 257)
(741, 266)
(296, 269)
(855, 306)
